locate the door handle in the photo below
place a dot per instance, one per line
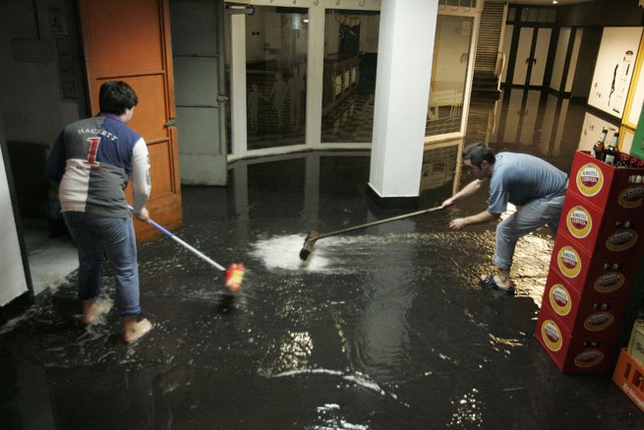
(172, 122)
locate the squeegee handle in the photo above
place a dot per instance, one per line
(185, 244)
(382, 221)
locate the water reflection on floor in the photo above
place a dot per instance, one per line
(381, 328)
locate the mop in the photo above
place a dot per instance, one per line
(314, 236)
(234, 273)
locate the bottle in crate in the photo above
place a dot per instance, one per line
(611, 154)
(598, 147)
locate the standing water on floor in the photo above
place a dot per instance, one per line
(382, 328)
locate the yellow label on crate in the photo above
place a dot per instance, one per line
(632, 197)
(579, 222)
(569, 262)
(599, 321)
(621, 240)
(589, 358)
(560, 299)
(609, 282)
(590, 179)
(551, 335)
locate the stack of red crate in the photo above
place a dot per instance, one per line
(594, 262)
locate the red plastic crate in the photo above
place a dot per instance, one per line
(607, 288)
(572, 353)
(606, 186)
(581, 268)
(592, 229)
(579, 317)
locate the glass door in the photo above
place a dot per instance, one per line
(349, 83)
(276, 59)
(449, 74)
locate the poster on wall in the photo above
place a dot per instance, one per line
(614, 69)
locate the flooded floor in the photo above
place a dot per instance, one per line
(382, 328)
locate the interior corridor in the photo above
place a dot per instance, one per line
(384, 327)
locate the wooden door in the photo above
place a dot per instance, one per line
(130, 41)
(531, 56)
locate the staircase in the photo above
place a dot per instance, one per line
(488, 64)
(485, 86)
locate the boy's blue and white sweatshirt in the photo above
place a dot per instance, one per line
(93, 160)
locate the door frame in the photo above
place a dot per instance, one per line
(146, 62)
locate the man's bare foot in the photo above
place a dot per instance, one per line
(495, 282)
(134, 329)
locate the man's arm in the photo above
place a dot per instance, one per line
(479, 218)
(471, 188)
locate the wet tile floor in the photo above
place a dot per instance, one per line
(383, 328)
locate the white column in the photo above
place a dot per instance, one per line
(405, 53)
(315, 77)
(238, 85)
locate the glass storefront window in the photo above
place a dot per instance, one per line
(449, 73)
(350, 56)
(276, 57)
(270, 67)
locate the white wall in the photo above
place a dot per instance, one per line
(12, 275)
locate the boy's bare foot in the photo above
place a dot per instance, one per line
(134, 329)
(95, 309)
(91, 311)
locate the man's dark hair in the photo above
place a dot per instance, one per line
(116, 96)
(477, 153)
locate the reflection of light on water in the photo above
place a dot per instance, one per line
(356, 378)
(530, 265)
(292, 352)
(499, 343)
(468, 410)
(329, 415)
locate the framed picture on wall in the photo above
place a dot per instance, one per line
(614, 69)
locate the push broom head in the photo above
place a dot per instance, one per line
(308, 245)
(234, 276)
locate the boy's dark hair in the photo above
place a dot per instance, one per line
(116, 96)
(477, 153)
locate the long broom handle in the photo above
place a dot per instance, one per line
(186, 245)
(382, 221)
